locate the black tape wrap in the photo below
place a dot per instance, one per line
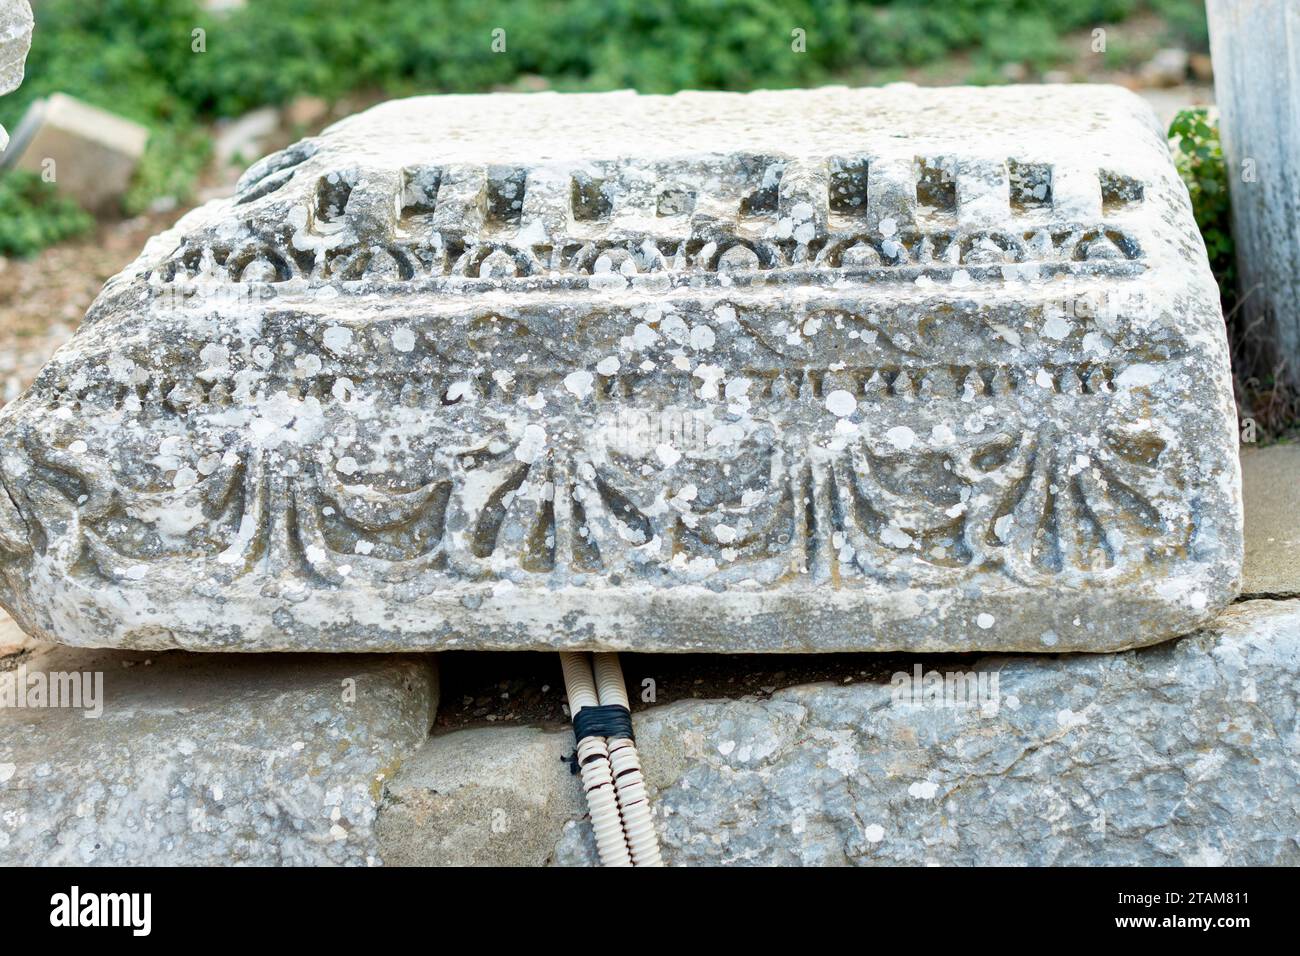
(605, 720)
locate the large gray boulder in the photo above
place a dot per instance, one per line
(818, 370)
(203, 760)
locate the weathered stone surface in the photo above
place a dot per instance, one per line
(1184, 753)
(15, 41)
(835, 369)
(1271, 488)
(208, 760)
(487, 796)
(94, 152)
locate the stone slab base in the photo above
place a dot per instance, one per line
(1184, 753)
(204, 760)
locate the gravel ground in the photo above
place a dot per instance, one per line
(43, 299)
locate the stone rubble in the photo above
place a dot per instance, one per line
(1183, 753)
(1166, 68)
(243, 138)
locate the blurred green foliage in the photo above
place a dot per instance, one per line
(135, 56)
(33, 215)
(1199, 158)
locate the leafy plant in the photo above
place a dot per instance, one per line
(1199, 158)
(33, 214)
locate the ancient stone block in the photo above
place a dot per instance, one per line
(485, 796)
(94, 152)
(1178, 755)
(118, 758)
(825, 370)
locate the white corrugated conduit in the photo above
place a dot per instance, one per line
(608, 761)
(629, 782)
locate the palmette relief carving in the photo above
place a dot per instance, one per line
(870, 390)
(779, 478)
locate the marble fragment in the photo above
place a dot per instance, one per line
(820, 370)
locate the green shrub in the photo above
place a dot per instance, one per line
(34, 215)
(135, 58)
(1199, 158)
(123, 56)
(1185, 22)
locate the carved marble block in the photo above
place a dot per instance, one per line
(803, 371)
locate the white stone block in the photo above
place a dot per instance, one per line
(93, 152)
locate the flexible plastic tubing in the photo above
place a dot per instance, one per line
(594, 767)
(629, 782)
